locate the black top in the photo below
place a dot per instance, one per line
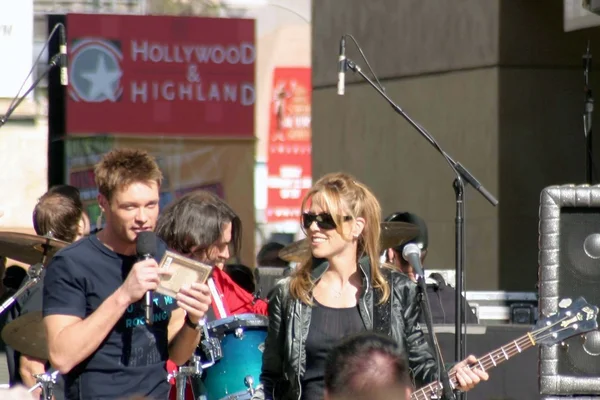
(327, 327)
(132, 358)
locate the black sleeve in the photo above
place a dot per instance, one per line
(420, 356)
(64, 289)
(272, 365)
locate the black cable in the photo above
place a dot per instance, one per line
(365, 60)
(33, 67)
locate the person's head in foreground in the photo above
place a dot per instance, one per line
(364, 364)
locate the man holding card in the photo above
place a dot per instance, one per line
(94, 293)
(201, 226)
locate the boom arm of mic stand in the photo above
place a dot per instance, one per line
(55, 61)
(457, 167)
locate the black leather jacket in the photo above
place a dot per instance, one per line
(284, 357)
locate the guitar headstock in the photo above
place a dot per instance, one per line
(573, 318)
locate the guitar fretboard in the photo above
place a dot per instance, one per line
(487, 362)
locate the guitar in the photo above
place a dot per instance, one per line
(576, 318)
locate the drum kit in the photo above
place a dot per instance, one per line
(227, 363)
(233, 348)
(26, 334)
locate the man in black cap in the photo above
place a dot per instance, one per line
(441, 295)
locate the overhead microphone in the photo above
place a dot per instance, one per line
(62, 48)
(412, 254)
(145, 247)
(342, 67)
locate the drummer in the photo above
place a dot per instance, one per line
(57, 213)
(202, 226)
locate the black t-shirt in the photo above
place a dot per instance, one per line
(327, 327)
(132, 358)
(28, 301)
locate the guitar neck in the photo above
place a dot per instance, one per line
(485, 363)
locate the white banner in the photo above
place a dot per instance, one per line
(577, 17)
(16, 45)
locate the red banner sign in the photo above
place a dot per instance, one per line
(289, 163)
(189, 76)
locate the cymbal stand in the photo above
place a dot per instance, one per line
(34, 275)
(196, 367)
(46, 382)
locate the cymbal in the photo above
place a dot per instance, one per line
(396, 233)
(392, 234)
(297, 251)
(26, 335)
(28, 248)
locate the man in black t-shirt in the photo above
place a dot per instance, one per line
(94, 319)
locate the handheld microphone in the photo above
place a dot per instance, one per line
(62, 48)
(146, 248)
(412, 254)
(342, 67)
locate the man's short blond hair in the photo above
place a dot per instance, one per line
(120, 168)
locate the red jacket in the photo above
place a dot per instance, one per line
(235, 299)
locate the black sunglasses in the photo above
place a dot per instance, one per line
(324, 220)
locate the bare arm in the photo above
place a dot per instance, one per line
(29, 367)
(175, 324)
(193, 300)
(72, 339)
(183, 345)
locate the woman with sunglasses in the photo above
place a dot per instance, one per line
(341, 290)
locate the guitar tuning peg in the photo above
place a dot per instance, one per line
(564, 303)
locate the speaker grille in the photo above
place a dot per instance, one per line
(569, 260)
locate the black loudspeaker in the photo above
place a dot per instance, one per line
(569, 267)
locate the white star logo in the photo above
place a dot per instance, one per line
(102, 81)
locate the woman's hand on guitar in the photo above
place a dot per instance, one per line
(467, 378)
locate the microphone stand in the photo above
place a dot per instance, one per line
(587, 117)
(447, 389)
(34, 274)
(54, 61)
(463, 176)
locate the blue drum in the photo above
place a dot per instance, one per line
(236, 373)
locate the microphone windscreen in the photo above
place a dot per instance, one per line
(146, 243)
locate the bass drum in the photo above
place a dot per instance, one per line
(236, 374)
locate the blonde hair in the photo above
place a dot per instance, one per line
(340, 194)
(121, 167)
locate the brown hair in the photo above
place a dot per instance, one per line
(197, 219)
(58, 216)
(340, 194)
(120, 168)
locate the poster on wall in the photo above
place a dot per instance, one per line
(160, 75)
(181, 88)
(289, 147)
